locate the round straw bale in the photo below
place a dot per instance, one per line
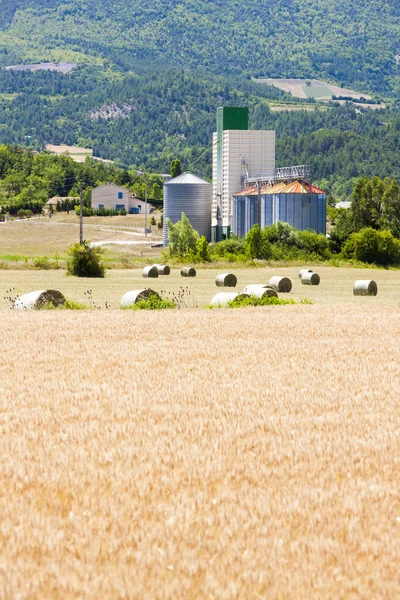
(226, 280)
(188, 272)
(310, 278)
(163, 269)
(281, 284)
(302, 271)
(222, 298)
(150, 271)
(130, 298)
(365, 287)
(260, 290)
(36, 300)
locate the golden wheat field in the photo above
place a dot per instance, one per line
(225, 454)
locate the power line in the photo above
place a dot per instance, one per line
(201, 155)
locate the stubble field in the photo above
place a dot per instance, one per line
(223, 454)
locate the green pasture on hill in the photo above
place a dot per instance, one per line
(317, 91)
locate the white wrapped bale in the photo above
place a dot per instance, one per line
(188, 272)
(226, 280)
(36, 300)
(254, 286)
(281, 284)
(150, 272)
(260, 290)
(131, 298)
(302, 271)
(163, 269)
(310, 278)
(223, 298)
(365, 287)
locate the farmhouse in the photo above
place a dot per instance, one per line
(119, 198)
(52, 203)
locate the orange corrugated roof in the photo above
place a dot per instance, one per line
(250, 191)
(295, 187)
(253, 191)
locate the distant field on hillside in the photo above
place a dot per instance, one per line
(62, 67)
(227, 454)
(320, 90)
(291, 107)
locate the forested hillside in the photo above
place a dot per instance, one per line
(151, 75)
(350, 41)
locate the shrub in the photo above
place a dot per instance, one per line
(85, 261)
(24, 213)
(257, 244)
(43, 263)
(68, 305)
(372, 246)
(86, 212)
(242, 301)
(313, 243)
(153, 302)
(231, 250)
(202, 253)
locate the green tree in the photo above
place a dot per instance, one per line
(376, 204)
(342, 230)
(182, 238)
(202, 250)
(371, 246)
(257, 244)
(176, 168)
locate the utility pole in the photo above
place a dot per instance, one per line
(80, 214)
(145, 212)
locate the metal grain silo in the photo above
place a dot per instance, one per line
(298, 203)
(244, 211)
(190, 195)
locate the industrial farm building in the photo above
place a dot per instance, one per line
(237, 153)
(190, 195)
(247, 187)
(298, 203)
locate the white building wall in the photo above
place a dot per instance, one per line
(107, 196)
(134, 203)
(214, 182)
(256, 148)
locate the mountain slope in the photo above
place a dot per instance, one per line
(353, 42)
(151, 74)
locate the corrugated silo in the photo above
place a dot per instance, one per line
(298, 203)
(191, 195)
(244, 211)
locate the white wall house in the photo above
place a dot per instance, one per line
(117, 197)
(110, 195)
(141, 205)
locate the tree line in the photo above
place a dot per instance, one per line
(173, 113)
(28, 180)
